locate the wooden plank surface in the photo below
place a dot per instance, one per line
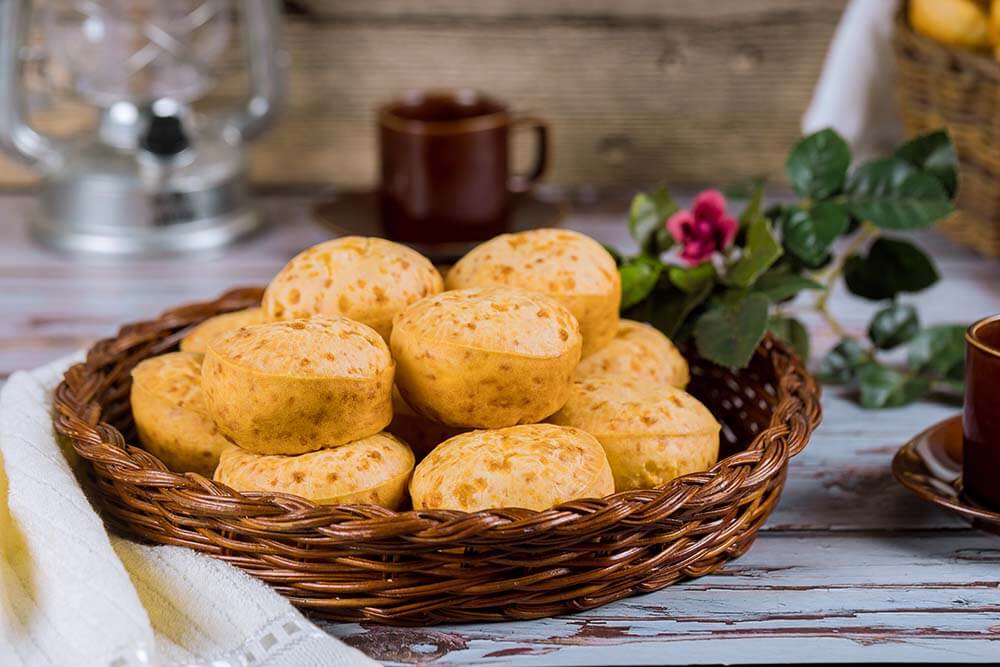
(850, 566)
(634, 89)
(793, 598)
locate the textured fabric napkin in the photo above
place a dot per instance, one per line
(854, 94)
(71, 594)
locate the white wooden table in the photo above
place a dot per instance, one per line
(850, 566)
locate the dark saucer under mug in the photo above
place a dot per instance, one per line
(930, 465)
(357, 213)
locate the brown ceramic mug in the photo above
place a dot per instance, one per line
(445, 166)
(981, 414)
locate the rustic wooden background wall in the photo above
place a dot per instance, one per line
(687, 91)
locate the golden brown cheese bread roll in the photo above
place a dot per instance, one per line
(365, 279)
(419, 432)
(641, 351)
(171, 415)
(485, 358)
(297, 386)
(650, 432)
(199, 337)
(566, 265)
(373, 470)
(533, 466)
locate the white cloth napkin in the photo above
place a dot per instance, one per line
(854, 94)
(71, 594)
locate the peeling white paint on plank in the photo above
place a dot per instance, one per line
(793, 597)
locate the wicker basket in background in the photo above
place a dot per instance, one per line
(941, 86)
(362, 562)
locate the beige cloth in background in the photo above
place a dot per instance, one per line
(71, 594)
(854, 94)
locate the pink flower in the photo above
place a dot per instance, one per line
(703, 230)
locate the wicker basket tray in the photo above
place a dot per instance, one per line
(941, 86)
(368, 563)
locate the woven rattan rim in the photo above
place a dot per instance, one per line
(685, 528)
(957, 60)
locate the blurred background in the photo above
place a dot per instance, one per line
(636, 91)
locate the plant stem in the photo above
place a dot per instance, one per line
(830, 278)
(828, 317)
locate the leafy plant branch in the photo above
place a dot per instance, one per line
(725, 282)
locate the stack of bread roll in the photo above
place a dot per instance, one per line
(365, 378)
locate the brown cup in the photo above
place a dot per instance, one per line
(445, 167)
(981, 414)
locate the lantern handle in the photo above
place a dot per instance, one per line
(16, 135)
(268, 63)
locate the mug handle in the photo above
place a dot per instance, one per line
(540, 128)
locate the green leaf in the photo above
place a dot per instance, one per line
(780, 284)
(666, 312)
(891, 267)
(661, 242)
(693, 280)
(815, 265)
(878, 178)
(818, 164)
(934, 153)
(883, 387)
(918, 201)
(893, 326)
(638, 278)
(669, 308)
(762, 249)
(791, 331)
(730, 330)
(809, 234)
(939, 351)
(647, 220)
(841, 364)
(753, 210)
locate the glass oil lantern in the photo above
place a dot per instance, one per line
(155, 175)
